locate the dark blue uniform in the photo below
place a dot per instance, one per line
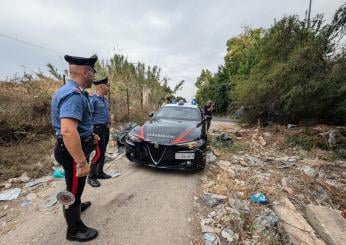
(100, 118)
(100, 110)
(209, 115)
(70, 101)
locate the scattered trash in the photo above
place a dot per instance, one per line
(114, 173)
(51, 200)
(223, 140)
(309, 171)
(335, 138)
(59, 173)
(207, 228)
(229, 235)
(211, 157)
(14, 180)
(262, 141)
(210, 239)
(8, 185)
(266, 223)
(321, 195)
(289, 126)
(285, 186)
(26, 203)
(253, 161)
(223, 163)
(213, 199)
(10, 194)
(31, 196)
(259, 198)
(55, 163)
(239, 205)
(121, 135)
(24, 177)
(110, 157)
(267, 134)
(39, 181)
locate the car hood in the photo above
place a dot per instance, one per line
(169, 131)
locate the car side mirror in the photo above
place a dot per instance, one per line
(151, 114)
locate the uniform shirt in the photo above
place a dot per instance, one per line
(99, 109)
(70, 101)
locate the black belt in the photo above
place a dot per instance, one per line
(83, 140)
(100, 125)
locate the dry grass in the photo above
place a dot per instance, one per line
(25, 125)
(33, 158)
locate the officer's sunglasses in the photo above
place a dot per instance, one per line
(90, 69)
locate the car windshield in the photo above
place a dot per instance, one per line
(179, 113)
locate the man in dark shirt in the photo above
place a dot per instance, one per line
(208, 111)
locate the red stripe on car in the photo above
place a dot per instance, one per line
(181, 138)
(141, 134)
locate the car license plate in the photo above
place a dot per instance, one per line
(184, 156)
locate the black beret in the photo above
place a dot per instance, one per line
(74, 60)
(102, 81)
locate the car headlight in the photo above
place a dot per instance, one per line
(193, 144)
(134, 138)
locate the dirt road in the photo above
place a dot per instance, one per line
(142, 206)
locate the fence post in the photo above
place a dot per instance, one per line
(128, 103)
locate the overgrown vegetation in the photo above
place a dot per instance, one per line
(293, 70)
(25, 109)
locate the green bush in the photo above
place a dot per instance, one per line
(294, 69)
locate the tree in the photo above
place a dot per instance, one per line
(294, 68)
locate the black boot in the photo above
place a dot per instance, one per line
(103, 176)
(92, 177)
(84, 206)
(76, 230)
(100, 173)
(93, 182)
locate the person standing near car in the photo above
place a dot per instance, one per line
(166, 101)
(208, 112)
(73, 129)
(101, 120)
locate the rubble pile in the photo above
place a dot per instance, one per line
(268, 167)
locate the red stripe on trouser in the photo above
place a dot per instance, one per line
(97, 155)
(74, 179)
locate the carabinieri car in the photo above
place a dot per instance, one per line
(175, 137)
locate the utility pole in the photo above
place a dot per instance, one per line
(309, 13)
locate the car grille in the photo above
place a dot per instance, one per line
(156, 153)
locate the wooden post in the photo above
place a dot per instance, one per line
(128, 103)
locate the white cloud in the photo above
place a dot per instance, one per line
(182, 37)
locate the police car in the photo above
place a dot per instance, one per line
(175, 137)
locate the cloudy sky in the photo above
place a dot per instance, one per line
(181, 37)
